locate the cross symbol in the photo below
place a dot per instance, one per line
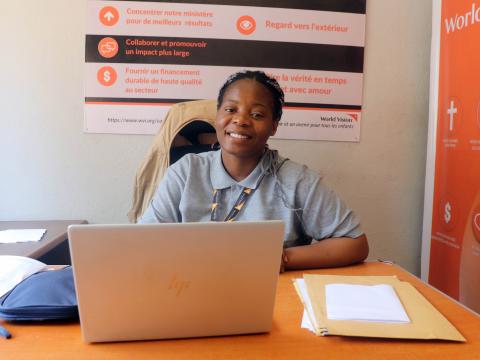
(452, 110)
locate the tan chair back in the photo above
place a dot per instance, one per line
(153, 167)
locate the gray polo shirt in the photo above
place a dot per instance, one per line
(293, 193)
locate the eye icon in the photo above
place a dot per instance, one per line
(246, 25)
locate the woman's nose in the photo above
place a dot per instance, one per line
(241, 119)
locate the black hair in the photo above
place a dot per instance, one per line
(270, 83)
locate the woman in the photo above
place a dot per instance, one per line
(251, 182)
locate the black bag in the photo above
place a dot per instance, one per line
(46, 295)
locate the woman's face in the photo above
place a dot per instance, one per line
(245, 120)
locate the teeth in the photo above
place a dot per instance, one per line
(238, 136)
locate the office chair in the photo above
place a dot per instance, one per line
(187, 128)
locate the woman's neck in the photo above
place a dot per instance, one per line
(239, 168)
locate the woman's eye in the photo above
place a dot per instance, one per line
(229, 110)
(257, 115)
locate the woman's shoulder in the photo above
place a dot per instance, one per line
(292, 171)
(194, 159)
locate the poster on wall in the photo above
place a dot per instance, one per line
(454, 264)
(143, 56)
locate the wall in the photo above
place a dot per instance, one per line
(51, 170)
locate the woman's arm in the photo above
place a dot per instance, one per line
(331, 252)
(164, 206)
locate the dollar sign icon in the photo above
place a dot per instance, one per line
(447, 216)
(107, 76)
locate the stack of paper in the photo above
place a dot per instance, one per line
(21, 235)
(371, 306)
(364, 303)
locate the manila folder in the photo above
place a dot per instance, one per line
(426, 321)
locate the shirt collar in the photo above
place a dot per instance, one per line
(222, 180)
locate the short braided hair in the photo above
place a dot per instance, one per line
(270, 83)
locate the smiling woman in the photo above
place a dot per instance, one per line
(245, 120)
(320, 230)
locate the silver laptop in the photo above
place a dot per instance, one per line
(160, 281)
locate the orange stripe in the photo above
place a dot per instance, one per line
(170, 104)
(323, 109)
(126, 103)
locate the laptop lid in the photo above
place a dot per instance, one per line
(159, 281)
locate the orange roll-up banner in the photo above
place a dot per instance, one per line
(454, 265)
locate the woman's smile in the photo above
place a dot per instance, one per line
(236, 135)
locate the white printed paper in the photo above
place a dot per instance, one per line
(377, 303)
(21, 235)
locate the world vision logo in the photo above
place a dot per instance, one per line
(459, 22)
(353, 116)
(246, 25)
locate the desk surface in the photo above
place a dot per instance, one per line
(286, 341)
(56, 233)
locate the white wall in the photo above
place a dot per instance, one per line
(51, 170)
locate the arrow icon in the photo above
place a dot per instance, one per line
(109, 16)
